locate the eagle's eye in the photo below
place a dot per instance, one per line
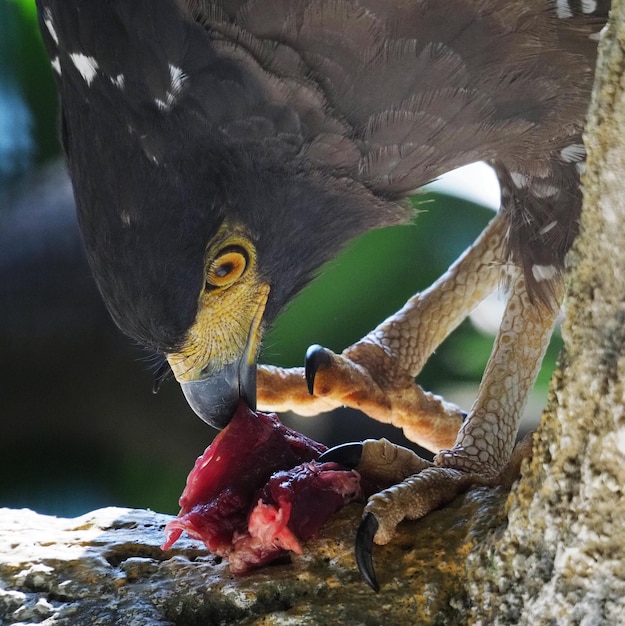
(227, 267)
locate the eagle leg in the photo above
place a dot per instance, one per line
(411, 486)
(376, 374)
(483, 451)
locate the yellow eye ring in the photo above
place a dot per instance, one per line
(227, 267)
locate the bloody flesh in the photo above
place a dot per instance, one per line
(256, 491)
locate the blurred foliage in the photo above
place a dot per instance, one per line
(28, 115)
(88, 433)
(374, 277)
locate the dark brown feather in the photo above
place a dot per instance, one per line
(309, 121)
(394, 94)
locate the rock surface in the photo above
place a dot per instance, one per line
(107, 567)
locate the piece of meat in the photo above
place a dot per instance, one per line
(256, 491)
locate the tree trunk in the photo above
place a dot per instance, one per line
(561, 558)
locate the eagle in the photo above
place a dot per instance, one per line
(221, 151)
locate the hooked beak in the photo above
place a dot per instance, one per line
(214, 389)
(216, 397)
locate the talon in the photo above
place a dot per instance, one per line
(316, 357)
(347, 454)
(364, 547)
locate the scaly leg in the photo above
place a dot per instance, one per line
(376, 374)
(484, 452)
(483, 449)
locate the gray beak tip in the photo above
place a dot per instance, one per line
(215, 398)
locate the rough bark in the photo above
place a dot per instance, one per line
(553, 551)
(561, 558)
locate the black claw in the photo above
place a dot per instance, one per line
(347, 454)
(464, 415)
(364, 547)
(316, 356)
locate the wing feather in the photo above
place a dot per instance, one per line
(397, 93)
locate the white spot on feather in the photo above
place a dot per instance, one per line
(573, 153)
(56, 65)
(47, 20)
(520, 180)
(563, 10)
(589, 6)
(543, 272)
(87, 66)
(545, 229)
(177, 80)
(162, 104)
(119, 81)
(125, 217)
(544, 190)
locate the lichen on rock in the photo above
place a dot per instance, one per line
(107, 567)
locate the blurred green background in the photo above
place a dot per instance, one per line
(80, 427)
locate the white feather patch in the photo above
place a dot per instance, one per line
(573, 153)
(543, 272)
(545, 229)
(87, 66)
(56, 65)
(563, 10)
(544, 190)
(47, 20)
(520, 180)
(119, 81)
(589, 6)
(178, 78)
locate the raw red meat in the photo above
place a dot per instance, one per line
(256, 491)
